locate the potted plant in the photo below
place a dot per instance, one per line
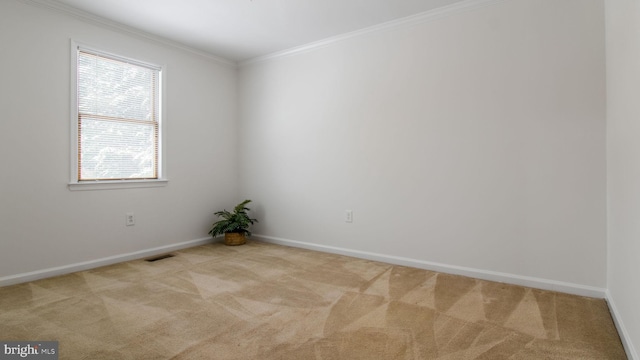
(234, 225)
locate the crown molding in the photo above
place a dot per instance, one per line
(431, 15)
(427, 16)
(113, 25)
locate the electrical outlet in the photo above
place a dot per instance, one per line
(130, 219)
(348, 216)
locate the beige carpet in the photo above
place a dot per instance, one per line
(263, 301)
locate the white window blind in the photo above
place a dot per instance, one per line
(118, 118)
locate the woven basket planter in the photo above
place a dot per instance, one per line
(233, 239)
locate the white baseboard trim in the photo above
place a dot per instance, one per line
(527, 281)
(86, 265)
(622, 330)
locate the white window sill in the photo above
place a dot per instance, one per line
(116, 184)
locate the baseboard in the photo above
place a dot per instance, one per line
(527, 281)
(86, 265)
(622, 330)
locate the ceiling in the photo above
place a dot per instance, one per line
(239, 30)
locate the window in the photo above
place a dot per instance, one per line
(116, 130)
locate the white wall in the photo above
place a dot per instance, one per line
(475, 140)
(44, 225)
(623, 165)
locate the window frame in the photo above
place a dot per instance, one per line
(74, 183)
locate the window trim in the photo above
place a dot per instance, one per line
(74, 184)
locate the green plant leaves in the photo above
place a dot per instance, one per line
(236, 222)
